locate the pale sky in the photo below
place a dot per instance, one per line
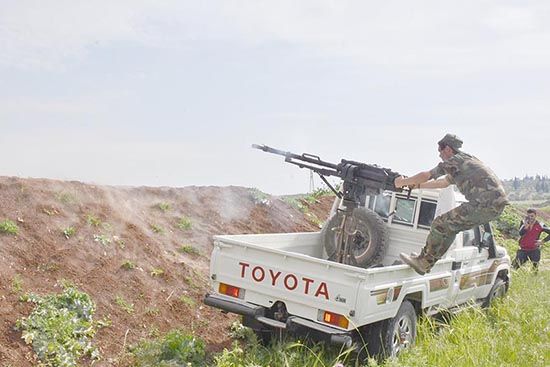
(173, 93)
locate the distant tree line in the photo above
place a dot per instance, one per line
(528, 188)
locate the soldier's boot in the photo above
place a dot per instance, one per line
(419, 263)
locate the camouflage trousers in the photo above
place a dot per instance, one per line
(445, 227)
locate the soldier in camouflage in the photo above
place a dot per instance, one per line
(481, 187)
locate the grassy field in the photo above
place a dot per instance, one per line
(514, 331)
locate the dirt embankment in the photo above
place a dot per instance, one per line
(164, 232)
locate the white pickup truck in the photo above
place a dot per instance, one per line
(285, 282)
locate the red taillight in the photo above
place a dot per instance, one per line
(335, 319)
(230, 290)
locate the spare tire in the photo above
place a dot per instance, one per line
(369, 244)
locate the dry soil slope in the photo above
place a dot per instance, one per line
(117, 224)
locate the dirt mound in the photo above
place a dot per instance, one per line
(146, 247)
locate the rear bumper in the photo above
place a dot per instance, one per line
(293, 324)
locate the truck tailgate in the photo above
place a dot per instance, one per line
(304, 283)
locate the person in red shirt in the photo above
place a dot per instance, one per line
(529, 242)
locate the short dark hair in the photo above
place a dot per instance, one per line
(531, 211)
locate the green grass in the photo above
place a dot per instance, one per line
(93, 220)
(60, 328)
(128, 265)
(157, 229)
(176, 348)
(69, 232)
(125, 305)
(9, 227)
(17, 284)
(184, 224)
(164, 207)
(188, 249)
(157, 272)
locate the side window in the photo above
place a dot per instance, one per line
(468, 238)
(382, 205)
(427, 213)
(404, 210)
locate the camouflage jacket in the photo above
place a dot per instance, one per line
(474, 180)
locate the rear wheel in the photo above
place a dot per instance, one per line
(387, 338)
(367, 235)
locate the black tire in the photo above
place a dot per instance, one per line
(263, 333)
(387, 338)
(498, 290)
(371, 244)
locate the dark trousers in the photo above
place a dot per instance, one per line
(522, 256)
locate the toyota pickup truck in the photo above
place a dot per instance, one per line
(286, 283)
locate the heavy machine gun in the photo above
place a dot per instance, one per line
(355, 242)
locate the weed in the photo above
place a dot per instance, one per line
(48, 267)
(188, 249)
(173, 349)
(152, 311)
(122, 303)
(187, 301)
(50, 211)
(128, 265)
(119, 242)
(239, 331)
(103, 239)
(154, 332)
(157, 229)
(157, 272)
(184, 224)
(93, 220)
(164, 207)
(69, 232)
(60, 328)
(65, 197)
(259, 197)
(9, 227)
(17, 284)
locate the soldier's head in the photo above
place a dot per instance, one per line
(449, 146)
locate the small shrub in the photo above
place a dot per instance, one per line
(184, 224)
(128, 265)
(152, 311)
(17, 284)
(157, 272)
(65, 197)
(188, 249)
(164, 207)
(103, 239)
(93, 220)
(157, 229)
(9, 227)
(174, 349)
(60, 328)
(187, 301)
(259, 197)
(69, 232)
(126, 306)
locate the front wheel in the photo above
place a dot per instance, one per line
(498, 290)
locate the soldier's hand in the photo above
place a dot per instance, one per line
(399, 182)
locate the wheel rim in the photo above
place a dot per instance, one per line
(360, 238)
(402, 335)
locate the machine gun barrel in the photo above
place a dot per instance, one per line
(360, 179)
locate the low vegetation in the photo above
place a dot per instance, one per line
(188, 249)
(164, 207)
(175, 348)
(60, 328)
(184, 224)
(9, 227)
(69, 232)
